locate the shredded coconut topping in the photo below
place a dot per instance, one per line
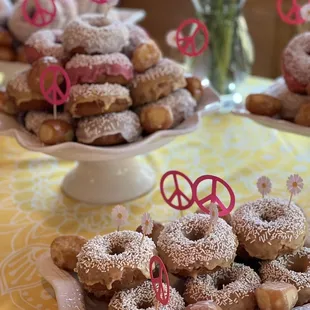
(221, 244)
(133, 299)
(125, 123)
(164, 67)
(137, 36)
(284, 222)
(19, 83)
(278, 269)
(296, 58)
(243, 281)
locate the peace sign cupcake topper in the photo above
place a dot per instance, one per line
(296, 15)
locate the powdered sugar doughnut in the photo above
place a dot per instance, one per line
(95, 99)
(113, 262)
(95, 34)
(109, 129)
(167, 112)
(290, 268)
(134, 298)
(45, 43)
(269, 227)
(22, 30)
(231, 288)
(188, 250)
(296, 63)
(99, 69)
(157, 82)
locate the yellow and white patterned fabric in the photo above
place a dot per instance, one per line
(33, 210)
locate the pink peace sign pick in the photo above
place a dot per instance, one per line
(187, 44)
(54, 94)
(41, 17)
(177, 193)
(162, 294)
(213, 198)
(100, 1)
(293, 16)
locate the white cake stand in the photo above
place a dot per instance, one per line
(109, 175)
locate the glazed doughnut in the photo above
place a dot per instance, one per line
(45, 43)
(261, 104)
(99, 69)
(231, 288)
(22, 96)
(95, 34)
(194, 86)
(36, 70)
(157, 229)
(109, 129)
(113, 262)
(157, 82)
(293, 268)
(269, 227)
(143, 297)
(22, 29)
(204, 305)
(64, 251)
(5, 10)
(167, 112)
(187, 250)
(296, 63)
(95, 99)
(7, 54)
(6, 40)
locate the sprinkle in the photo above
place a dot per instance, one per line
(119, 216)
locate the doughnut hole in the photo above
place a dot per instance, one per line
(116, 250)
(145, 304)
(221, 283)
(193, 235)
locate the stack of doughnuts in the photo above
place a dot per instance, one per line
(121, 87)
(289, 97)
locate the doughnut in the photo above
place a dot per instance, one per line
(64, 251)
(35, 119)
(21, 55)
(276, 296)
(296, 63)
(36, 70)
(204, 305)
(23, 97)
(113, 262)
(22, 29)
(109, 129)
(261, 104)
(5, 10)
(303, 115)
(143, 297)
(187, 250)
(95, 34)
(96, 99)
(157, 82)
(136, 35)
(167, 112)
(99, 69)
(6, 39)
(157, 229)
(293, 268)
(231, 288)
(7, 54)
(269, 227)
(194, 86)
(45, 43)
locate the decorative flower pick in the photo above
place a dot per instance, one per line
(119, 216)
(264, 186)
(214, 215)
(147, 225)
(294, 185)
(171, 39)
(305, 12)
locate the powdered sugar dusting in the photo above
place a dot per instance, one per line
(125, 123)
(132, 299)
(243, 279)
(19, 83)
(285, 222)
(277, 270)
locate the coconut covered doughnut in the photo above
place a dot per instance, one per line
(293, 268)
(109, 129)
(96, 99)
(45, 43)
(114, 262)
(167, 112)
(95, 34)
(157, 82)
(269, 227)
(99, 69)
(230, 288)
(143, 297)
(188, 250)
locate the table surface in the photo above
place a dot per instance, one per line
(33, 211)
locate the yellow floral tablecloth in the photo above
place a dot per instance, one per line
(33, 210)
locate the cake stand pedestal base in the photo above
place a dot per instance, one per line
(109, 182)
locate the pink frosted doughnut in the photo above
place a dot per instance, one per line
(111, 68)
(44, 43)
